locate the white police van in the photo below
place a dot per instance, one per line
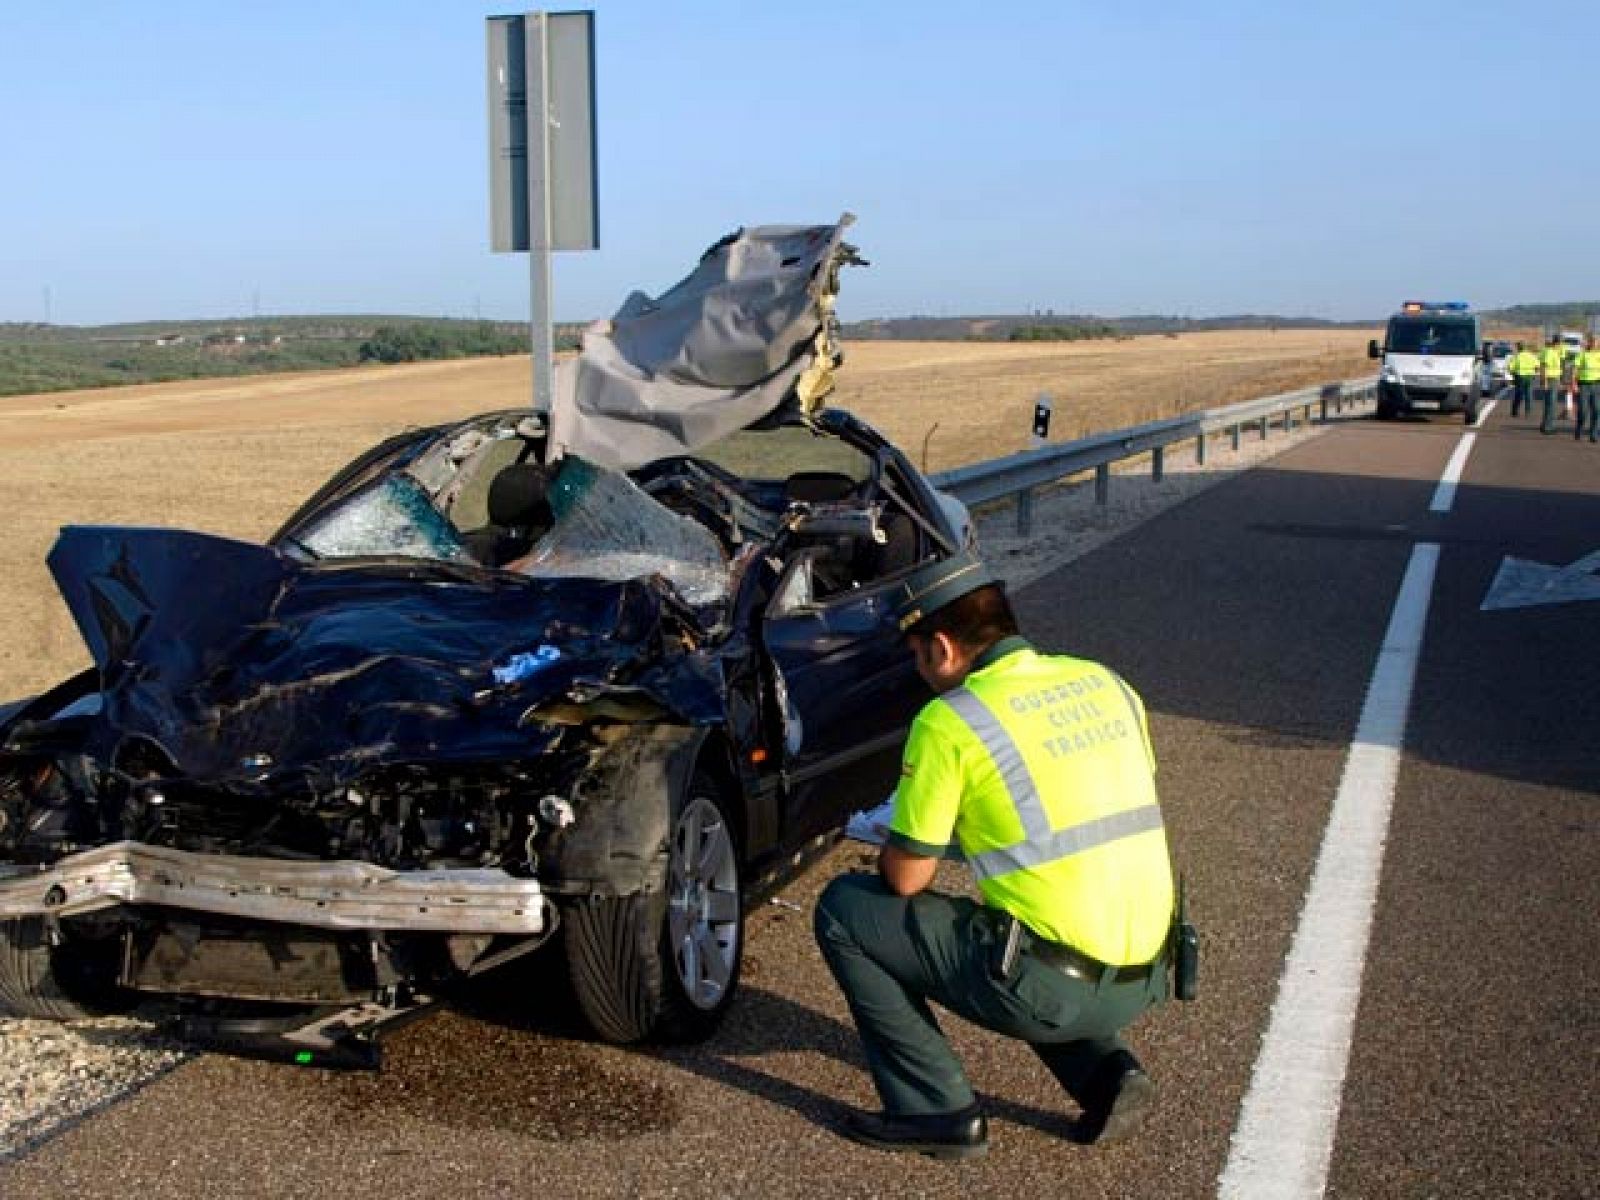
(1430, 353)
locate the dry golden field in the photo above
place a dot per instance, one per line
(234, 456)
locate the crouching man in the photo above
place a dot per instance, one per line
(1040, 768)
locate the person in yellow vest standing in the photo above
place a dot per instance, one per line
(1523, 367)
(1587, 371)
(1551, 362)
(1039, 769)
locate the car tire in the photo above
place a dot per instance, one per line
(64, 982)
(664, 966)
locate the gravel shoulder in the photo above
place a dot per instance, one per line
(54, 1075)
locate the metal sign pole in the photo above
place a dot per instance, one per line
(542, 158)
(538, 164)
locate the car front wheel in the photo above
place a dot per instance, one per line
(664, 966)
(58, 982)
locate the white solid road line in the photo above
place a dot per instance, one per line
(1284, 1140)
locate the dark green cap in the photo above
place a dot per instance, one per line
(930, 588)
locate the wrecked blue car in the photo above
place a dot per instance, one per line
(605, 675)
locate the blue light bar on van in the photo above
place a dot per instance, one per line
(1412, 306)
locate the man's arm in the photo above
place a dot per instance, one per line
(904, 872)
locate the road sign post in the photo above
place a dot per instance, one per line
(1041, 418)
(1040, 435)
(542, 157)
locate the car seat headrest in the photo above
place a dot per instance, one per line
(518, 496)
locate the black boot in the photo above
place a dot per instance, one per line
(960, 1134)
(1115, 1099)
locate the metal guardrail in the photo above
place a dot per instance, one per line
(1018, 474)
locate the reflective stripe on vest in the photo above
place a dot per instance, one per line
(1042, 844)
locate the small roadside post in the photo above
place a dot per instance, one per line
(1041, 418)
(542, 157)
(1040, 435)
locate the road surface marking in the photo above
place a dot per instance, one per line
(1445, 494)
(1284, 1139)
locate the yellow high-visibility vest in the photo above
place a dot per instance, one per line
(1550, 362)
(1589, 366)
(1523, 363)
(1041, 768)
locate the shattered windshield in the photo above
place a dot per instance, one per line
(607, 528)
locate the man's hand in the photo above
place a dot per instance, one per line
(904, 872)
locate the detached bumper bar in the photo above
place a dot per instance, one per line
(327, 895)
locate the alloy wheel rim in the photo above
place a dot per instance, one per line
(703, 903)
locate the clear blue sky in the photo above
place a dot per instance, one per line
(185, 159)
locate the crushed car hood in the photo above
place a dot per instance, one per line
(243, 665)
(750, 329)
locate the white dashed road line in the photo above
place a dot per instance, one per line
(1445, 494)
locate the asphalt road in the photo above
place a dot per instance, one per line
(1250, 619)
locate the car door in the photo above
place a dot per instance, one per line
(847, 690)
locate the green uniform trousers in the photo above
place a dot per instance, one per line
(893, 954)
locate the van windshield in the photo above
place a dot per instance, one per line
(1431, 335)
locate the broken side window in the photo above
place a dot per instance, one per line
(394, 516)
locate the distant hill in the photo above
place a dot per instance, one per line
(1067, 327)
(42, 358)
(52, 358)
(1570, 314)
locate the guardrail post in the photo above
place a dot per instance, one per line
(1025, 513)
(1264, 422)
(1102, 484)
(1158, 462)
(1200, 449)
(1235, 431)
(1288, 420)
